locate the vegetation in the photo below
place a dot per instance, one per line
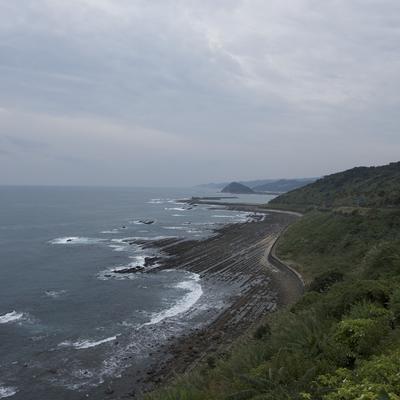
(341, 340)
(357, 187)
(282, 185)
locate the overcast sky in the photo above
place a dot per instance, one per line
(180, 92)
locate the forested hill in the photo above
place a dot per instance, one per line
(356, 187)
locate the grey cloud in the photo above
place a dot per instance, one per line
(224, 81)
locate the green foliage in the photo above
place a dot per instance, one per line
(262, 331)
(357, 187)
(339, 341)
(383, 260)
(375, 379)
(366, 309)
(394, 304)
(340, 299)
(356, 338)
(326, 242)
(324, 281)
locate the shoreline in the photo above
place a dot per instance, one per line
(237, 260)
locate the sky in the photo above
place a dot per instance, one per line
(182, 92)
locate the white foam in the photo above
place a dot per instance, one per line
(7, 391)
(75, 240)
(156, 201)
(55, 293)
(162, 201)
(176, 209)
(112, 231)
(12, 316)
(223, 216)
(175, 228)
(86, 343)
(139, 261)
(120, 246)
(146, 238)
(184, 304)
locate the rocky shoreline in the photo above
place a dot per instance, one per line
(237, 257)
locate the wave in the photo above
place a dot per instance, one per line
(156, 201)
(12, 316)
(120, 245)
(7, 391)
(75, 240)
(176, 209)
(194, 290)
(86, 343)
(175, 228)
(162, 201)
(112, 231)
(132, 238)
(55, 293)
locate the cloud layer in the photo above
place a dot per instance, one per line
(180, 92)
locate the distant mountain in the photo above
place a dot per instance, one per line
(237, 188)
(283, 185)
(356, 187)
(256, 182)
(266, 185)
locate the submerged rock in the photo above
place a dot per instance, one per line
(129, 270)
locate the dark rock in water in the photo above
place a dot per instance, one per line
(150, 261)
(53, 371)
(69, 240)
(124, 227)
(129, 270)
(109, 390)
(147, 221)
(237, 188)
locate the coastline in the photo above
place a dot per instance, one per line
(237, 259)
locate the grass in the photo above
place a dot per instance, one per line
(341, 340)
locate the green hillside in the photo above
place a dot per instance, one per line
(357, 187)
(341, 340)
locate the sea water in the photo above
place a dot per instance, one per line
(67, 322)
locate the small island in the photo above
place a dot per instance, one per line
(237, 188)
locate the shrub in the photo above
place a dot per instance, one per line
(343, 296)
(262, 331)
(375, 379)
(323, 282)
(354, 338)
(383, 260)
(394, 304)
(366, 309)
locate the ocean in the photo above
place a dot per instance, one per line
(68, 322)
